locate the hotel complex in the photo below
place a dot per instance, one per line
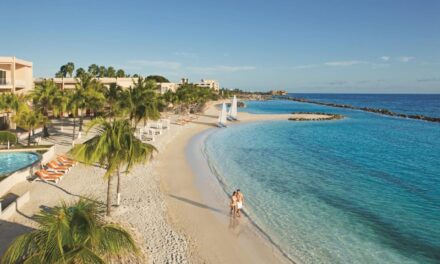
(16, 76)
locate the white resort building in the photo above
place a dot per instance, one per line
(15, 75)
(212, 84)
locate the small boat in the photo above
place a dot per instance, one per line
(232, 114)
(222, 117)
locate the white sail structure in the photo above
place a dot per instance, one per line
(222, 117)
(233, 110)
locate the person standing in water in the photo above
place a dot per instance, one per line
(240, 200)
(233, 204)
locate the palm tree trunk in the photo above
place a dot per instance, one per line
(74, 127)
(81, 122)
(29, 138)
(109, 185)
(45, 131)
(118, 186)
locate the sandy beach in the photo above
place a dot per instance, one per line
(162, 204)
(206, 221)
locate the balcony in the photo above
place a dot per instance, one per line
(20, 84)
(5, 83)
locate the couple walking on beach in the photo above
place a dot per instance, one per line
(236, 205)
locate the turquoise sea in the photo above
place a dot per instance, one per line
(365, 189)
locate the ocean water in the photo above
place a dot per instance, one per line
(424, 104)
(365, 189)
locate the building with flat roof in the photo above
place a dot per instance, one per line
(123, 82)
(15, 75)
(70, 82)
(211, 84)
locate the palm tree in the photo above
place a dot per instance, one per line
(29, 120)
(70, 67)
(72, 233)
(113, 147)
(93, 70)
(79, 72)
(111, 72)
(113, 95)
(141, 101)
(102, 71)
(61, 106)
(10, 103)
(45, 97)
(87, 95)
(72, 107)
(62, 73)
(120, 73)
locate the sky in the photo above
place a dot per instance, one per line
(368, 46)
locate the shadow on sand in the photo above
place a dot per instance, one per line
(73, 194)
(204, 123)
(204, 206)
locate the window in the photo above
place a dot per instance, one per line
(2, 77)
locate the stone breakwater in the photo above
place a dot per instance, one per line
(310, 116)
(366, 109)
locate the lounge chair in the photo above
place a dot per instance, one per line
(54, 166)
(64, 162)
(64, 159)
(165, 123)
(45, 176)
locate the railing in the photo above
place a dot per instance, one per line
(20, 83)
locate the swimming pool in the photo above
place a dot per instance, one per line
(14, 161)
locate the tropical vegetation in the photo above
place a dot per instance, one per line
(29, 120)
(9, 104)
(77, 233)
(72, 233)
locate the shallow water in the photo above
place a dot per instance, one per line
(365, 189)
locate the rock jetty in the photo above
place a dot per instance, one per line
(366, 109)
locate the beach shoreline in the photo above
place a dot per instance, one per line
(198, 205)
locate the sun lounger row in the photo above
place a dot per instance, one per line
(56, 169)
(153, 129)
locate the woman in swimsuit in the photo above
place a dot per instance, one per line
(240, 200)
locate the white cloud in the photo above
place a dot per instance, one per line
(406, 59)
(170, 65)
(221, 68)
(385, 58)
(344, 63)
